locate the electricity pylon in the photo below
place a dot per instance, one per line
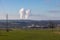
(7, 23)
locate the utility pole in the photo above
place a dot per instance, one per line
(7, 23)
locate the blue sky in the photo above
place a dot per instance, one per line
(40, 9)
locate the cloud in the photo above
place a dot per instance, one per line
(44, 18)
(3, 17)
(54, 11)
(33, 17)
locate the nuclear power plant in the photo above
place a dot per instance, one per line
(24, 14)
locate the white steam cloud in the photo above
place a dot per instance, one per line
(27, 14)
(22, 11)
(24, 14)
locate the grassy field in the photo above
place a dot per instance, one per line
(29, 35)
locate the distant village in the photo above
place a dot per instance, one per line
(30, 24)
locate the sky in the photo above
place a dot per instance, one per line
(40, 9)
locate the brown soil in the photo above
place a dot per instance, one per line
(57, 32)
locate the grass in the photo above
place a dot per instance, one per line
(29, 35)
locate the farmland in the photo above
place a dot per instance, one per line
(30, 35)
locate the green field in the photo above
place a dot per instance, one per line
(29, 35)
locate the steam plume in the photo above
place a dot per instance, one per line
(27, 14)
(22, 11)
